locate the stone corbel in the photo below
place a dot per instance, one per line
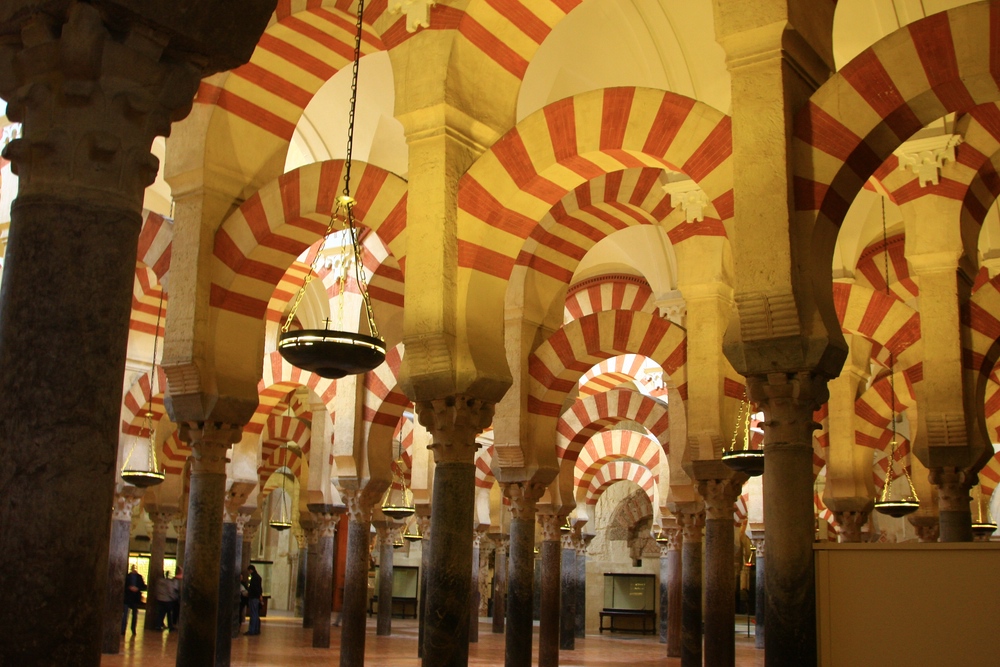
(689, 197)
(926, 157)
(417, 12)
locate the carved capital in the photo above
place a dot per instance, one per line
(758, 546)
(550, 523)
(359, 508)
(582, 542)
(454, 422)
(720, 496)
(953, 488)
(850, 524)
(250, 529)
(788, 401)
(523, 496)
(125, 502)
(209, 443)
(417, 12)
(242, 519)
(161, 520)
(692, 524)
(326, 524)
(236, 497)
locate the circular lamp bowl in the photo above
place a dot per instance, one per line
(281, 525)
(896, 508)
(409, 537)
(331, 354)
(749, 462)
(142, 478)
(662, 539)
(983, 530)
(397, 512)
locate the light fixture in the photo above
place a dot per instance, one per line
(397, 540)
(896, 508)
(747, 461)
(329, 353)
(412, 533)
(661, 537)
(397, 502)
(982, 528)
(284, 520)
(566, 526)
(151, 475)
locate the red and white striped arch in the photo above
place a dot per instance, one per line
(939, 64)
(989, 476)
(564, 357)
(145, 393)
(981, 321)
(280, 430)
(384, 401)
(612, 446)
(873, 410)
(870, 269)
(617, 471)
(610, 292)
(595, 413)
(891, 325)
(484, 467)
(280, 378)
(625, 369)
(821, 438)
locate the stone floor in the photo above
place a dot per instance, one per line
(283, 642)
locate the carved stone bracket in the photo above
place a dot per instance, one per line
(926, 157)
(454, 422)
(417, 12)
(689, 196)
(523, 496)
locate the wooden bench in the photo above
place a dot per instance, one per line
(643, 614)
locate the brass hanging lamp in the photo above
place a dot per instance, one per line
(886, 504)
(745, 460)
(284, 520)
(982, 528)
(412, 533)
(151, 475)
(330, 353)
(397, 501)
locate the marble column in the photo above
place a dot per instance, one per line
(424, 521)
(242, 521)
(581, 584)
(126, 500)
(180, 527)
(157, 547)
(719, 582)
(548, 625)
(312, 568)
(760, 603)
(385, 575)
(850, 524)
(474, 596)
(500, 583)
(91, 98)
(250, 529)
(453, 422)
(671, 573)
(692, 522)
(567, 612)
(229, 591)
(326, 518)
(788, 401)
(353, 614)
(301, 573)
(954, 504)
(203, 551)
(521, 572)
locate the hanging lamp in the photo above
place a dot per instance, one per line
(151, 475)
(397, 502)
(885, 504)
(747, 461)
(333, 354)
(412, 533)
(284, 521)
(982, 528)
(397, 540)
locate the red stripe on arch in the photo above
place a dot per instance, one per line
(936, 50)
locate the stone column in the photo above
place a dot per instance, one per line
(91, 99)
(424, 521)
(249, 533)
(242, 521)
(500, 583)
(720, 585)
(203, 551)
(671, 573)
(548, 626)
(788, 401)
(692, 522)
(474, 596)
(301, 573)
(126, 500)
(453, 422)
(521, 572)
(353, 620)
(581, 584)
(157, 547)
(761, 599)
(326, 518)
(954, 508)
(384, 625)
(229, 572)
(567, 613)
(180, 528)
(312, 568)
(850, 524)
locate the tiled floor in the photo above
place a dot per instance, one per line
(283, 642)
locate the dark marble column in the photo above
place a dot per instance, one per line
(788, 401)
(353, 614)
(581, 584)
(126, 500)
(229, 591)
(692, 524)
(326, 518)
(500, 583)
(157, 547)
(301, 574)
(567, 612)
(453, 423)
(720, 553)
(548, 624)
(424, 521)
(206, 501)
(474, 596)
(954, 504)
(180, 527)
(312, 568)
(673, 576)
(385, 575)
(760, 602)
(521, 572)
(242, 520)
(664, 589)
(250, 528)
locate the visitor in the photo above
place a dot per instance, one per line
(164, 602)
(255, 591)
(134, 585)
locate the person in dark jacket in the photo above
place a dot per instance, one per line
(134, 586)
(255, 592)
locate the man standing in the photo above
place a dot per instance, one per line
(164, 601)
(175, 596)
(134, 585)
(255, 591)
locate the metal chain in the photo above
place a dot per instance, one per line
(313, 271)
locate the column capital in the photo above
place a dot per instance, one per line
(242, 519)
(788, 401)
(927, 526)
(359, 508)
(523, 496)
(326, 522)
(250, 529)
(551, 527)
(953, 488)
(454, 422)
(126, 500)
(161, 519)
(720, 496)
(692, 524)
(209, 443)
(675, 540)
(236, 497)
(850, 524)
